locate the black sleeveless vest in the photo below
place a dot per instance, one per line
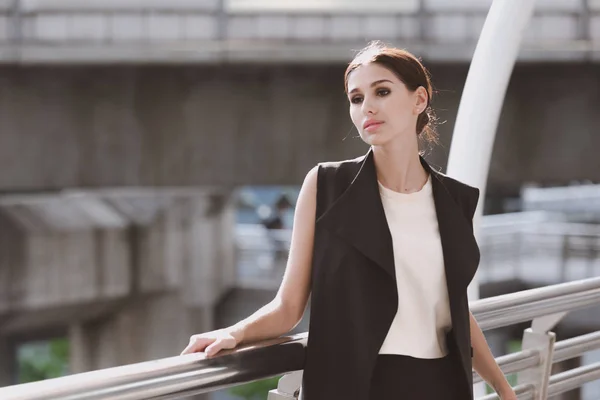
(353, 289)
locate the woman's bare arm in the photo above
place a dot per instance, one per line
(485, 363)
(285, 311)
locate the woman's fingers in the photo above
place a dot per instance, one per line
(214, 348)
(210, 343)
(197, 344)
(220, 344)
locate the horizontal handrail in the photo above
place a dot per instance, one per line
(563, 350)
(573, 378)
(514, 362)
(574, 347)
(180, 375)
(524, 392)
(513, 308)
(194, 373)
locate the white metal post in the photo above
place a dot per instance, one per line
(539, 338)
(288, 387)
(481, 102)
(483, 96)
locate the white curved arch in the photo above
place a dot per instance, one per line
(480, 105)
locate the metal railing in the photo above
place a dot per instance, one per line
(539, 248)
(181, 376)
(581, 199)
(214, 31)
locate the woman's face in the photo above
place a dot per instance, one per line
(381, 106)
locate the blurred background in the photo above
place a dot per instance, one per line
(151, 154)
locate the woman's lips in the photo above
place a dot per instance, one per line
(373, 126)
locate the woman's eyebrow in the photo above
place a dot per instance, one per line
(372, 84)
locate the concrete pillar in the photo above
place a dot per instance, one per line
(144, 329)
(80, 349)
(7, 362)
(211, 262)
(182, 264)
(189, 247)
(146, 289)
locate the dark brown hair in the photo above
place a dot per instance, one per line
(409, 70)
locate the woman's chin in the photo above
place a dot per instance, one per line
(374, 139)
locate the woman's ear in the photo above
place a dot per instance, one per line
(421, 100)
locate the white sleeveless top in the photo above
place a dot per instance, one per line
(423, 316)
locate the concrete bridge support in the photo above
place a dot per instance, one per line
(127, 274)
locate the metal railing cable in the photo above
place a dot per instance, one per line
(569, 348)
(524, 392)
(514, 362)
(574, 378)
(179, 376)
(513, 308)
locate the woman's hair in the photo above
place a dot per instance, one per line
(409, 70)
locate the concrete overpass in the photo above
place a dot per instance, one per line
(75, 126)
(186, 93)
(126, 275)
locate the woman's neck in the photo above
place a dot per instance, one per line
(399, 167)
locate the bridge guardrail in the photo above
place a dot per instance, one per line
(180, 376)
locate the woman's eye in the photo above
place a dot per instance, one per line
(380, 92)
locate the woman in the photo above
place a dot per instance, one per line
(385, 246)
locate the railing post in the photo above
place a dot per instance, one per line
(566, 254)
(540, 375)
(541, 339)
(288, 387)
(16, 24)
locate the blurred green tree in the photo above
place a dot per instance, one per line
(43, 360)
(258, 390)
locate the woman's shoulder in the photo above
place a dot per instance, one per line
(334, 177)
(453, 183)
(341, 172)
(344, 164)
(465, 194)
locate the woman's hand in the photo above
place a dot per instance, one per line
(212, 342)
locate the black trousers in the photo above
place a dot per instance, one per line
(400, 377)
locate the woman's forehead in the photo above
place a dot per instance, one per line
(363, 76)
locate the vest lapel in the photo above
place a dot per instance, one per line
(358, 217)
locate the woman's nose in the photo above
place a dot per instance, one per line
(368, 107)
